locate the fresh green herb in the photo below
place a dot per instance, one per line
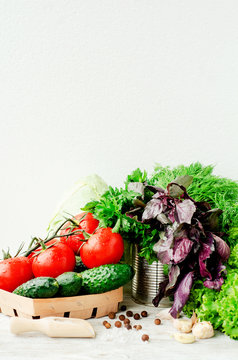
(220, 308)
(220, 192)
(114, 205)
(136, 176)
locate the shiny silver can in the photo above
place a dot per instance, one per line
(145, 283)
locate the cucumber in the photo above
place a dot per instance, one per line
(106, 277)
(40, 287)
(79, 266)
(70, 283)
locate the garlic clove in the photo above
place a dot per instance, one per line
(203, 330)
(185, 326)
(184, 338)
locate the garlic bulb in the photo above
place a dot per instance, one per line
(203, 330)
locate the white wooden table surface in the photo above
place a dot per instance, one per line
(116, 343)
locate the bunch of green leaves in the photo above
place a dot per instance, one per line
(220, 308)
(203, 301)
(220, 192)
(136, 176)
(111, 211)
(227, 305)
(111, 207)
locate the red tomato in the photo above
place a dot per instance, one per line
(103, 247)
(14, 272)
(32, 255)
(88, 224)
(54, 261)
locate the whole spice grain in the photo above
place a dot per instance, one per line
(123, 308)
(129, 313)
(128, 327)
(127, 321)
(137, 327)
(157, 321)
(107, 325)
(104, 322)
(137, 316)
(145, 337)
(118, 324)
(144, 313)
(122, 317)
(111, 315)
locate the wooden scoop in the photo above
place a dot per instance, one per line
(53, 327)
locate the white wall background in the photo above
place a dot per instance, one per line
(107, 86)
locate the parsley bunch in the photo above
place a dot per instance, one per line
(115, 209)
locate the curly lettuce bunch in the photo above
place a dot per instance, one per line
(227, 305)
(220, 308)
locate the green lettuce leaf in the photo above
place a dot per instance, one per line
(85, 190)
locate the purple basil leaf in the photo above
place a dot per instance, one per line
(194, 233)
(210, 219)
(214, 284)
(203, 205)
(207, 248)
(153, 208)
(159, 195)
(184, 211)
(163, 219)
(181, 249)
(171, 215)
(179, 185)
(221, 247)
(155, 189)
(217, 279)
(161, 292)
(165, 251)
(173, 278)
(200, 227)
(181, 294)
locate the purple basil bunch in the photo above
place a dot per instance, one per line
(189, 241)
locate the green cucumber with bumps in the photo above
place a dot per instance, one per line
(70, 283)
(106, 278)
(40, 287)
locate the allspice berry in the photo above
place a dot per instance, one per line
(104, 322)
(138, 327)
(107, 325)
(122, 317)
(128, 327)
(118, 324)
(129, 313)
(111, 315)
(123, 308)
(157, 321)
(137, 316)
(127, 321)
(144, 313)
(145, 337)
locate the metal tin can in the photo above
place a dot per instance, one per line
(145, 283)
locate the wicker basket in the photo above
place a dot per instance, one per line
(83, 306)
